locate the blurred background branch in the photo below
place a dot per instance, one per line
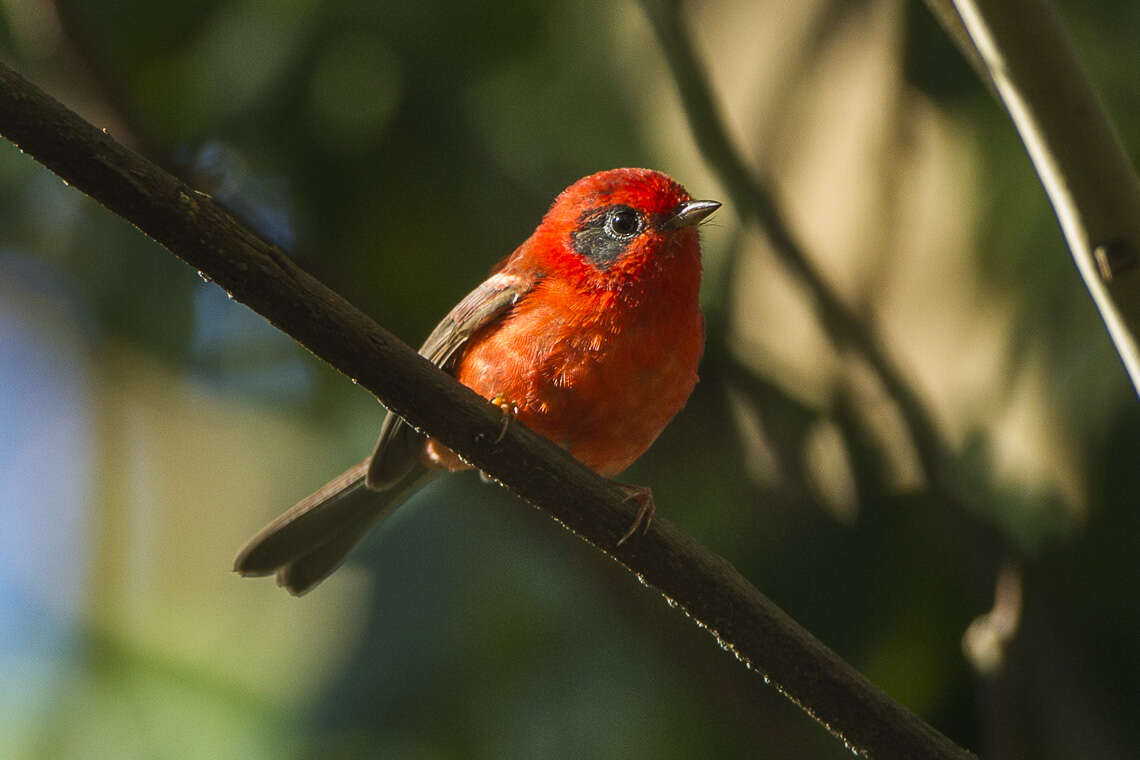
(754, 201)
(851, 331)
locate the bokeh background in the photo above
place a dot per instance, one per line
(149, 425)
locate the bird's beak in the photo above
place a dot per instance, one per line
(690, 213)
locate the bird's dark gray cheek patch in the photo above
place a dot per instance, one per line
(593, 244)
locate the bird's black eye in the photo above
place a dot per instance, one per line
(622, 223)
(604, 234)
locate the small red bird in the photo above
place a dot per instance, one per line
(589, 333)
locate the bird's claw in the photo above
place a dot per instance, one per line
(645, 509)
(510, 411)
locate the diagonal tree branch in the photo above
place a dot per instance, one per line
(704, 585)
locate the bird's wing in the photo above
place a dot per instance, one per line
(479, 308)
(399, 445)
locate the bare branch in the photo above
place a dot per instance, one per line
(702, 584)
(1075, 150)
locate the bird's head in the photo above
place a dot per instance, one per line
(614, 224)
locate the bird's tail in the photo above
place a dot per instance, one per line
(304, 545)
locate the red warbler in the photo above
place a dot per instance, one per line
(590, 333)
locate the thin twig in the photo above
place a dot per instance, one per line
(704, 585)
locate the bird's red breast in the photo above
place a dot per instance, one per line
(600, 349)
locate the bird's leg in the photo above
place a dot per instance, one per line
(645, 508)
(510, 411)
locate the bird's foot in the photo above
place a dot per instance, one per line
(645, 509)
(510, 411)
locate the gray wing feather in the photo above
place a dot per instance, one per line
(399, 446)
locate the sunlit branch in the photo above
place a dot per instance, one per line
(1075, 150)
(704, 585)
